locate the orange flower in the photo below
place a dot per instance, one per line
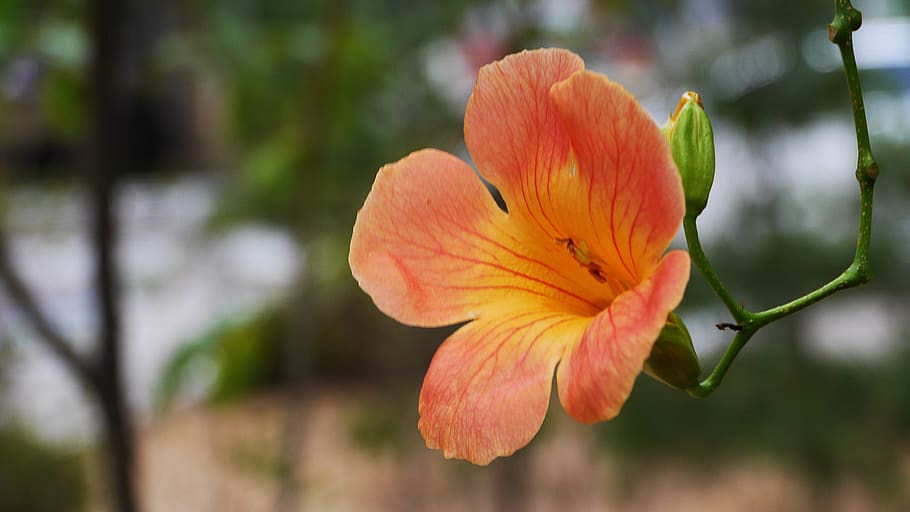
(574, 274)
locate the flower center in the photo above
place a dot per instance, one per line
(580, 252)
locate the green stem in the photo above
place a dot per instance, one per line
(707, 386)
(704, 266)
(848, 279)
(846, 21)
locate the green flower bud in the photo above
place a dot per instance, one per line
(673, 360)
(692, 146)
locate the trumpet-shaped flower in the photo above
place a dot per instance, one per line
(573, 279)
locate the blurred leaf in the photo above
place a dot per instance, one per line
(247, 357)
(63, 43)
(383, 423)
(243, 354)
(37, 477)
(63, 102)
(179, 366)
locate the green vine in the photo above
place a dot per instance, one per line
(846, 21)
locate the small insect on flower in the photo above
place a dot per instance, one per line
(580, 253)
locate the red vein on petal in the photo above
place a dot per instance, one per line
(631, 237)
(613, 223)
(520, 256)
(591, 210)
(459, 402)
(530, 211)
(544, 331)
(537, 164)
(507, 270)
(504, 320)
(504, 338)
(508, 287)
(470, 242)
(629, 204)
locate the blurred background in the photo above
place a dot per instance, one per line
(234, 141)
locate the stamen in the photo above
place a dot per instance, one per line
(596, 272)
(570, 245)
(579, 251)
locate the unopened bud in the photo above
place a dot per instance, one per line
(692, 146)
(673, 360)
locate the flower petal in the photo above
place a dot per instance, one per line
(431, 248)
(596, 376)
(488, 387)
(514, 133)
(625, 196)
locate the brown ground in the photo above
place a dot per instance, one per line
(224, 460)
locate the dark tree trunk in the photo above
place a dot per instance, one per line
(105, 156)
(296, 359)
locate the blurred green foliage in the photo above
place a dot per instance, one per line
(242, 354)
(830, 420)
(308, 93)
(38, 477)
(248, 355)
(382, 423)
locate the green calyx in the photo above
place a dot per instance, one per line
(692, 146)
(673, 360)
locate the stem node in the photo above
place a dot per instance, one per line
(847, 20)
